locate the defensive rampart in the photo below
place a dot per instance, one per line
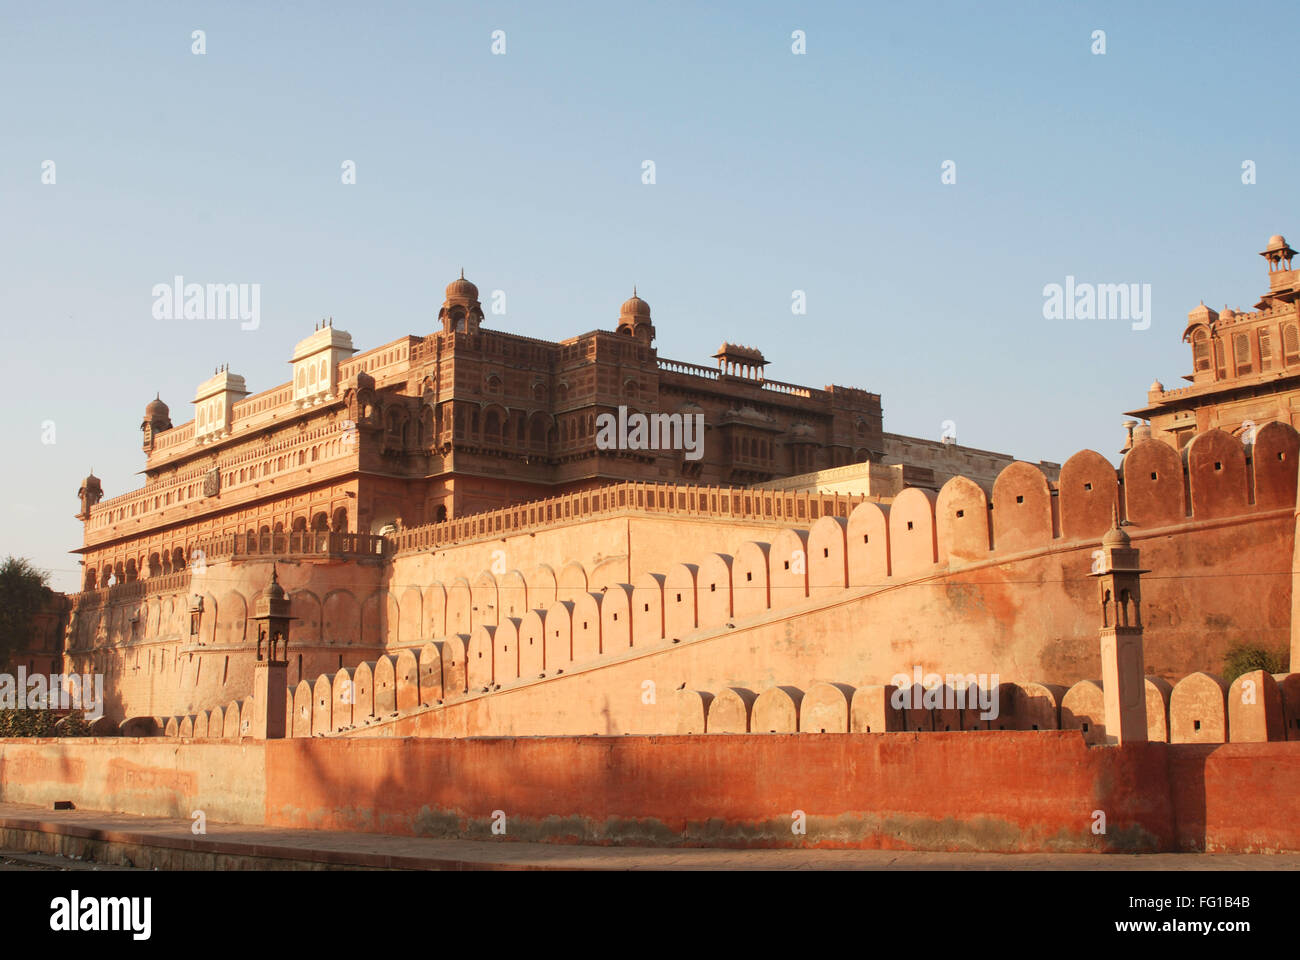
(560, 614)
(1043, 791)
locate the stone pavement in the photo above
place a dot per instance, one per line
(29, 834)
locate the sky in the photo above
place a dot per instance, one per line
(774, 172)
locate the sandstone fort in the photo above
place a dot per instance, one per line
(410, 553)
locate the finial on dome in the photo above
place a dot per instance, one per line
(462, 273)
(1116, 536)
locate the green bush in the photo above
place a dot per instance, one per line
(1243, 658)
(40, 723)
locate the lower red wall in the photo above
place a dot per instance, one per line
(1000, 791)
(1236, 797)
(996, 791)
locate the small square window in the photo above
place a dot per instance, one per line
(961, 513)
(1020, 498)
(909, 524)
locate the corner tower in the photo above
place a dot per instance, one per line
(634, 319)
(461, 312)
(157, 418)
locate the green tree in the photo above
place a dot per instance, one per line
(23, 591)
(1243, 658)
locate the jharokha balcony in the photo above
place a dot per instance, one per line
(236, 547)
(305, 544)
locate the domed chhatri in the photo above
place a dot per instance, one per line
(634, 319)
(156, 408)
(1276, 242)
(461, 289)
(461, 312)
(634, 306)
(157, 420)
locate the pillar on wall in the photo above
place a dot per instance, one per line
(1123, 667)
(1295, 593)
(271, 675)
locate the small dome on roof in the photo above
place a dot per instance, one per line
(634, 306)
(461, 289)
(1157, 387)
(156, 408)
(1276, 242)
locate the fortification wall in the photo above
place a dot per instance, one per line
(956, 582)
(349, 612)
(1029, 619)
(965, 791)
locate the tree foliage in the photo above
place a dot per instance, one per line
(1244, 658)
(23, 591)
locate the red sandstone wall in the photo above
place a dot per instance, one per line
(964, 791)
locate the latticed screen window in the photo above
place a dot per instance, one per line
(1219, 364)
(1241, 353)
(1201, 351)
(1291, 344)
(1265, 350)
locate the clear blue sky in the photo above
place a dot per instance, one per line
(775, 172)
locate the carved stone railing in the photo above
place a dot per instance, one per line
(652, 499)
(304, 544)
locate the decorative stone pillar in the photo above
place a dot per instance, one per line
(1123, 666)
(270, 676)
